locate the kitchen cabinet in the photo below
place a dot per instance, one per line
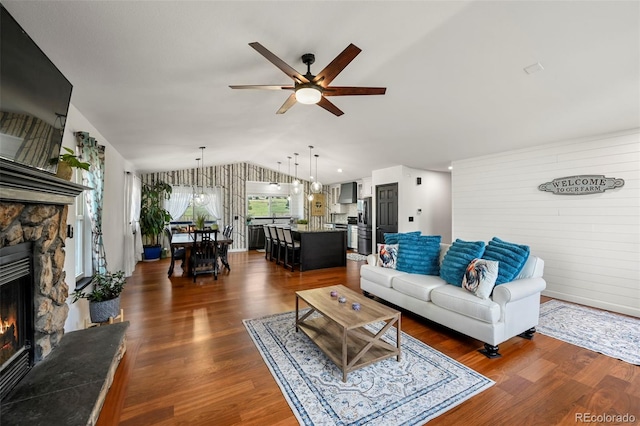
(365, 188)
(322, 249)
(334, 196)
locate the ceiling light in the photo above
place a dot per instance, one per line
(316, 186)
(200, 199)
(308, 95)
(450, 167)
(339, 170)
(296, 182)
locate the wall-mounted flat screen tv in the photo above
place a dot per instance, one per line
(34, 99)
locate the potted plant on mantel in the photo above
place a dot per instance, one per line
(153, 217)
(66, 162)
(104, 298)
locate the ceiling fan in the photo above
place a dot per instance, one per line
(314, 89)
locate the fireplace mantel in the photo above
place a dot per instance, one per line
(25, 184)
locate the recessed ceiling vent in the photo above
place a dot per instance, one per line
(532, 69)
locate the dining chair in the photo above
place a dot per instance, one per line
(292, 249)
(177, 253)
(223, 248)
(204, 255)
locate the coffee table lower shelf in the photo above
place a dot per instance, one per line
(349, 349)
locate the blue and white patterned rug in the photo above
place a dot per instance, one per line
(356, 256)
(614, 335)
(423, 385)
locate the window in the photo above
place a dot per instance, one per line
(268, 206)
(192, 212)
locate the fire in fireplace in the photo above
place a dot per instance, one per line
(16, 315)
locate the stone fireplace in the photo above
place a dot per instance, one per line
(33, 212)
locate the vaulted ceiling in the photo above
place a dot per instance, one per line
(153, 77)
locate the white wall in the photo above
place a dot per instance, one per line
(433, 197)
(113, 219)
(590, 243)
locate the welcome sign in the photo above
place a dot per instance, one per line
(581, 185)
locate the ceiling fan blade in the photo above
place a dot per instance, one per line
(291, 101)
(287, 69)
(324, 103)
(349, 91)
(262, 87)
(336, 66)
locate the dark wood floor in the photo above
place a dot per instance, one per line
(189, 360)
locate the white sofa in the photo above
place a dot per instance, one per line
(512, 310)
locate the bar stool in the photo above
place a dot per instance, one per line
(281, 244)
(267, 241)
(292, 248)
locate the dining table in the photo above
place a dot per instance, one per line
(186, 240)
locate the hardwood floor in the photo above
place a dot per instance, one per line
(190, 361)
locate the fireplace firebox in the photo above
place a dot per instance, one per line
(16, 315)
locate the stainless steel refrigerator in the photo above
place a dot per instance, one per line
(365, 226)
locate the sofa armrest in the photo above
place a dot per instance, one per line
(372, 259)
(518, 289)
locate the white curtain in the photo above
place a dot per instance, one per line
(179, 201)
(132, 238)
(214, 206)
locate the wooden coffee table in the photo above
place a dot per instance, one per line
(339, 329)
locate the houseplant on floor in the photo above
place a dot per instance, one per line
(104, 297)
(153, 217)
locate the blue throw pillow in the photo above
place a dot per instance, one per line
(419, 254)
(458, 257)
(394, 238)
(512, 258)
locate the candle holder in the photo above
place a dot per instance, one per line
(342, 299)
(334, 293)
(355, 306)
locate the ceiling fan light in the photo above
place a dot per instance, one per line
(308, 95)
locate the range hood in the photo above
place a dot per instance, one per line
(348, 193)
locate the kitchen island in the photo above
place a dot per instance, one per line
(321, 248)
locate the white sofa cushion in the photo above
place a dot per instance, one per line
(378, 275)
(417, 285)
(459, 300)
(533, 268)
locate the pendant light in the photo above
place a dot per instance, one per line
(296, 182)
(316, 186)
(310, 196)
(274, 183)
(289, 173)
(200, 199)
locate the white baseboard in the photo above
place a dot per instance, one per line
(626, 310)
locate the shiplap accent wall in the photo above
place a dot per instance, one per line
(232, 178)
(590, 243)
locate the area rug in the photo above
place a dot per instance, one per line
(614, 335)
(356, 256)
(423, 385)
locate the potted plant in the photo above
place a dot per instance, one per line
(200, 221)
(153, 217)
(302, 224)
(66, 162)
(104, 298)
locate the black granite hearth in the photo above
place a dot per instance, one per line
(69, 386)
